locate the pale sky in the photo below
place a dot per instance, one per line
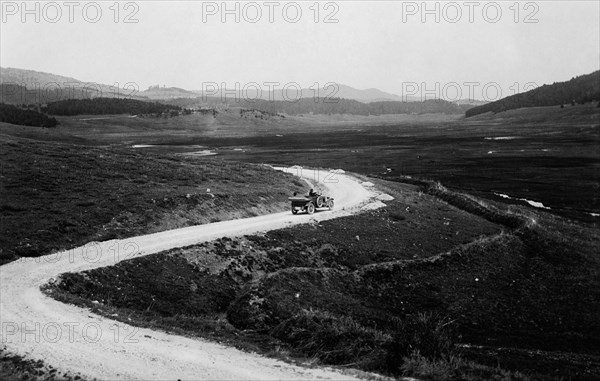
(380, 44)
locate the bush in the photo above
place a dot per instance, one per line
(397, 216)
(333, 339)
(417, 365)
(430, 335)
(455, 368)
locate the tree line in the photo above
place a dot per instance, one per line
(104, 106)
(332, 106)
(24, 117)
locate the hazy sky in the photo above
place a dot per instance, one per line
(381, 44)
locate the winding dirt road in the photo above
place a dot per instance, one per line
(74, 339)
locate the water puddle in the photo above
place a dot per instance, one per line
(108, 117)
(205, 152)
(503, 138)
(535, 204)
(172, 147)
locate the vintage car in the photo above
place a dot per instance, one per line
(310, 203)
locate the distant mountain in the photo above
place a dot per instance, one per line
(582, 89)
(371, 95)
(157, 92)
(291, 93)
(19, 86)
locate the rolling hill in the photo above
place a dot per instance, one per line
(19, 86)
(582, 89)
(31, 78)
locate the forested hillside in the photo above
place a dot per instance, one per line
(582, 89)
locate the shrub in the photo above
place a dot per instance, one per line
(417, 365)
(455, 368)
(430, 335)
(333, 339)
(397, 216)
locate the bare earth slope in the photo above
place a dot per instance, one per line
(75, 340)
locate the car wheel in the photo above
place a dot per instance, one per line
(320, 202)
(294, 210)
(330, 204)
(310, 209)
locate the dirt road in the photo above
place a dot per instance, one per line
(73, 339)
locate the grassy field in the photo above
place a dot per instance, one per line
(481, 291)
(56, 196)
(548, 154)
